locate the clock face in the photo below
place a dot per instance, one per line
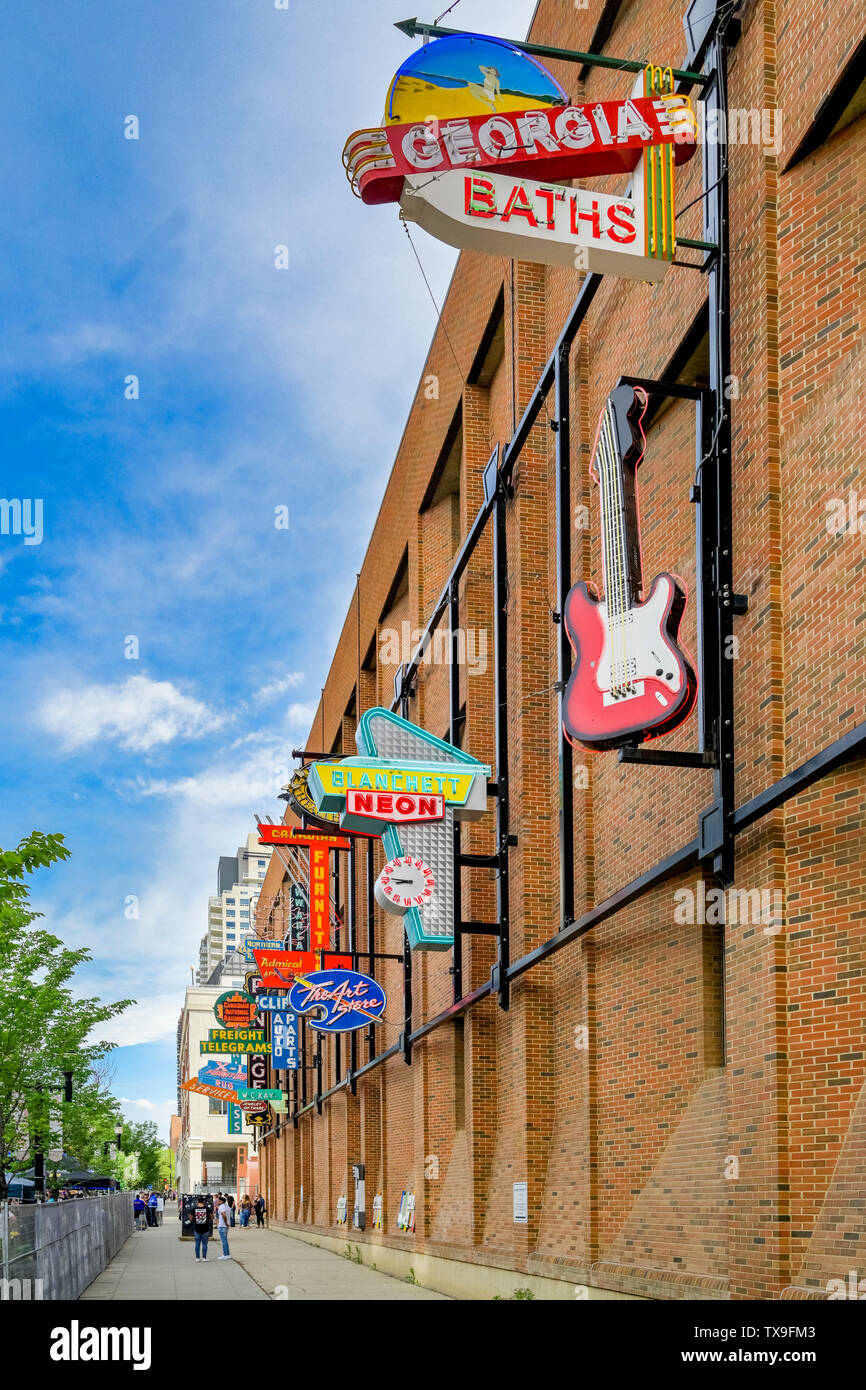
(403, 883)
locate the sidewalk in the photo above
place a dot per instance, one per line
(154, 1265)
(292, 1269)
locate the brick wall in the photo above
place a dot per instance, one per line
(656, 1162)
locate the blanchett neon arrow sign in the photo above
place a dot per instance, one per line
(414, 786)
(460, 788)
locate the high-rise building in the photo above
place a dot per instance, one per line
(231, 913)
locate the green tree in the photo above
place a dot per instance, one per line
(167, 1167)
(89, 1124)
(142, 1138)
(44, 1030)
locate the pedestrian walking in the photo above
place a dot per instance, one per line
(246, 1210)
(231, 1202)
(202, 1227)
(160, 1209)
(260, 1209)
(223, 1221)
(151, 1209)
(139, 1209)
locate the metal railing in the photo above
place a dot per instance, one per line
(55, 1250)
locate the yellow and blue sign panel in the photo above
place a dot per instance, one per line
(466, 75)
(329, 782)
(240, 1040)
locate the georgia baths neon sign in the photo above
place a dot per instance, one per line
(486, 171)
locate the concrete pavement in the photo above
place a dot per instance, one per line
(154, 1265)
(293, 1270)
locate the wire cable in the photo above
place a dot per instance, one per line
(433, 299)
(448, 11)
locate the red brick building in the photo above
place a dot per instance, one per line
(683, 1098)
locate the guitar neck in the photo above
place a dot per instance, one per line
(621, 557)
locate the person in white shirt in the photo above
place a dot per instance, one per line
(224, 1216)
(160, 1209)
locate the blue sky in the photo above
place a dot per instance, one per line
(258, 388)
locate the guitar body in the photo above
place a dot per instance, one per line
(661, 686)
(632, 680)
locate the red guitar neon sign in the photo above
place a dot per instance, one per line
(632, 679)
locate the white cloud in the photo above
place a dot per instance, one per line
(232, 781)
(159, 1111)
(86, 340)
(299, 716)
(151, 1020)
(138, 713)
(229, 783)
(278, 687)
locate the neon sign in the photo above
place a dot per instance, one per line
(632, 679)
(479, 159)
(377, 809)
(280, 968)
(235, 1009)
(398, 759)
(340, 1000)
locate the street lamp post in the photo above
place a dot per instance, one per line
(118, 1135)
